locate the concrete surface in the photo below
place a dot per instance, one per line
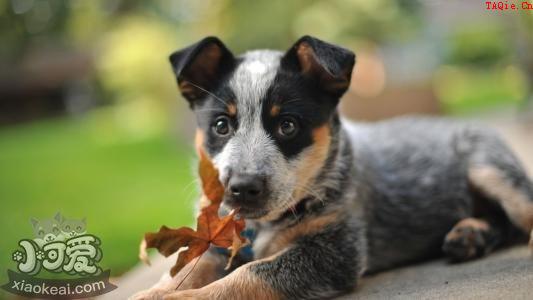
(506, 274)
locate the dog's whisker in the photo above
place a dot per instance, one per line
(189, 188)
(311, 191)
(208, 92)
(292, 100)
(208, 109)
(290, 207)
(190, 184)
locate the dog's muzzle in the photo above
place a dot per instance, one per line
(247, 191)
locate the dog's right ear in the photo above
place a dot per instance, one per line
(199, 67)
(330, 65)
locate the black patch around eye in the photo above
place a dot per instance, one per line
(207, 114)
(299, 98)
(293, 146)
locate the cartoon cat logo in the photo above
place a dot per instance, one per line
(72, 227)
(47, 230)
(57, 229)
(60, 247)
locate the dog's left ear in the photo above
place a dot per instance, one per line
(331, 66)
(200, 66)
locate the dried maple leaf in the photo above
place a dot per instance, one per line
(211, 229)
(211, 186)
(236, 245)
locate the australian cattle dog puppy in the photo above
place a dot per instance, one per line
(327, 199)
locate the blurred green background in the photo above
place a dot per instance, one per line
(92, 124)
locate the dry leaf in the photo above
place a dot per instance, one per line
(238, 243)
(211, 229)
(143, 255)
(211, 186)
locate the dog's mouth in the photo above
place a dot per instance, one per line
(251, 213)
(246, 212)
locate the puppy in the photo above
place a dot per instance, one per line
(327, 199)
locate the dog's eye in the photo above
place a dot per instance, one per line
(288, 127)
(222, 126)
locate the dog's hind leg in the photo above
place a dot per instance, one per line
(514, 196)
(495, 173)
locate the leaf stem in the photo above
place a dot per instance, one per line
(221, 228)
(190, 271)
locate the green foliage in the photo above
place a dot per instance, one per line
(333, 20)
(92, 168)
(133, 67)
(468, 90)
(480, 44)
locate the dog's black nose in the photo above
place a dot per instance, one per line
(247, 188)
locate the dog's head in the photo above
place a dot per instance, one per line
(264, 118)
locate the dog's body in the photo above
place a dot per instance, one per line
(329, 199)
(416, 177)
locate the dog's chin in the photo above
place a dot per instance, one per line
(252, 213)
(245, 212)
(259, 213)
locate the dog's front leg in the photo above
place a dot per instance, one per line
(317, 266)
(195, 274)
(242, 283)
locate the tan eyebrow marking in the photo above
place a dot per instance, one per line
(274, 111)
(232, 109)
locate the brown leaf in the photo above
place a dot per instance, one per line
(168, 241)
(237, 244)
(143, 255)
(210, 229)
(196, 248)
(211, 186)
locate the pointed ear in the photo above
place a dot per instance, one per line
(84, 220)
(331, 66)
(199, 67)
(58, 217)
(34, 222)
